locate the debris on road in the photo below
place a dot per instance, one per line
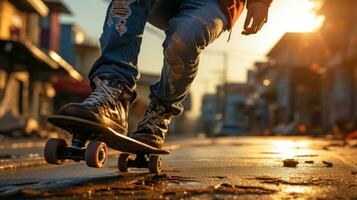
(354, 172)
(309, 162)
(326, 148)
(327, 164)
(290, 163)
(161, 176)
(148, 187)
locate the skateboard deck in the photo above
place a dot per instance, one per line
(104, 134)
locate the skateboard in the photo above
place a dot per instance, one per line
(134, 154)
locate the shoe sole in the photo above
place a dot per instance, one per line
(74, 124)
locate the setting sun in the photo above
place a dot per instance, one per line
(299, 16)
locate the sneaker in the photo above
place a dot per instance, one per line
(107, 105)
(153, 129)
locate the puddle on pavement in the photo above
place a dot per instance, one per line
(8, 157)
(307, 181)
(306, 156)
(270, 153)
(295, 192)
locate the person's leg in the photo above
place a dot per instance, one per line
(197, 24)
(161, 11)
(121, 39)
(114, 75)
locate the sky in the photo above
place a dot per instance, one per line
(284, 16)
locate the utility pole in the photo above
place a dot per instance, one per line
(225, 84)
(222, 95)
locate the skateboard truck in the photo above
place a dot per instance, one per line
(79, 140)
(152, 162)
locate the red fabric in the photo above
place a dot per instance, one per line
(74, 87)
(234, 8)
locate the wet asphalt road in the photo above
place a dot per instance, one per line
(221, 168)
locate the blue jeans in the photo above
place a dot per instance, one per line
(190, 25)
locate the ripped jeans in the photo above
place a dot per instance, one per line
(189, 25)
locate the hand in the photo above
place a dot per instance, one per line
(257, 16)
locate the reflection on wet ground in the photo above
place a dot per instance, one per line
(222, 168)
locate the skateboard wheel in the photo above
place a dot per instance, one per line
(51, 152)
(123, 161)
(96, 154)
(155, 164)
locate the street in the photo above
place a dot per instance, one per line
(278, 77)
(200, 168)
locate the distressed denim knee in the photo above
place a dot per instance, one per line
(187, 36)
(185, 43)
(181, 53)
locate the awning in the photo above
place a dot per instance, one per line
(58, 6)
(66, 66)
(31, 6)
(22, 54)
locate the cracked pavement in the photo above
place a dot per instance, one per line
(198, 168)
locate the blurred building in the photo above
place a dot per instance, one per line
(29, 63)
(209, 111)
(297, 58)
(225, 113)
(262, 100)
(80, 51)
(340, 82)
(287, 91)
(309, 83)
(77, 48)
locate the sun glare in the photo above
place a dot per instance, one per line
(289, 149)
(299, 16)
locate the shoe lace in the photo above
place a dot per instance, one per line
(154, 119)
(103, 94)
